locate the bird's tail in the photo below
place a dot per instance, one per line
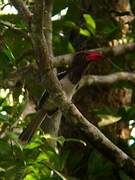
(31, 128)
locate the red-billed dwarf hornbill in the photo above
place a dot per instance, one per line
(69, 81)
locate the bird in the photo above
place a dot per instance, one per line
(69, 80)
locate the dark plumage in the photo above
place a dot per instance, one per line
(69, 80)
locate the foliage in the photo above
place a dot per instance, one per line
(37, 160)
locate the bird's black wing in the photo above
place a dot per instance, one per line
(43, 99)
(45, 94)
(62, 74)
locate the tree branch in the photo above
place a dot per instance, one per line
(99, 141)
(22, 9)
(88, 80)
(53, 86)
(68, 109)
(13, 28)
(66, 59)
(48, 25)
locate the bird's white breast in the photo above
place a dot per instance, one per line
(68, 87)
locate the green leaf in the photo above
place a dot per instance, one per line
(90, 23)
(71, 48)
(9, 54)
(108, 119)
(2, 170)
(84, 32)
(32, 145)
(3, 118)
(70, 24)
(30, 177)
(12, 136)
(75, 140)
(42, 157)
(98, 166)
(62, 140)
(89, 20)
(4, 148)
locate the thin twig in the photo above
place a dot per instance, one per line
(13, 28)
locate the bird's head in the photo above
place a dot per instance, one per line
(80, 62)
(94, 56)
